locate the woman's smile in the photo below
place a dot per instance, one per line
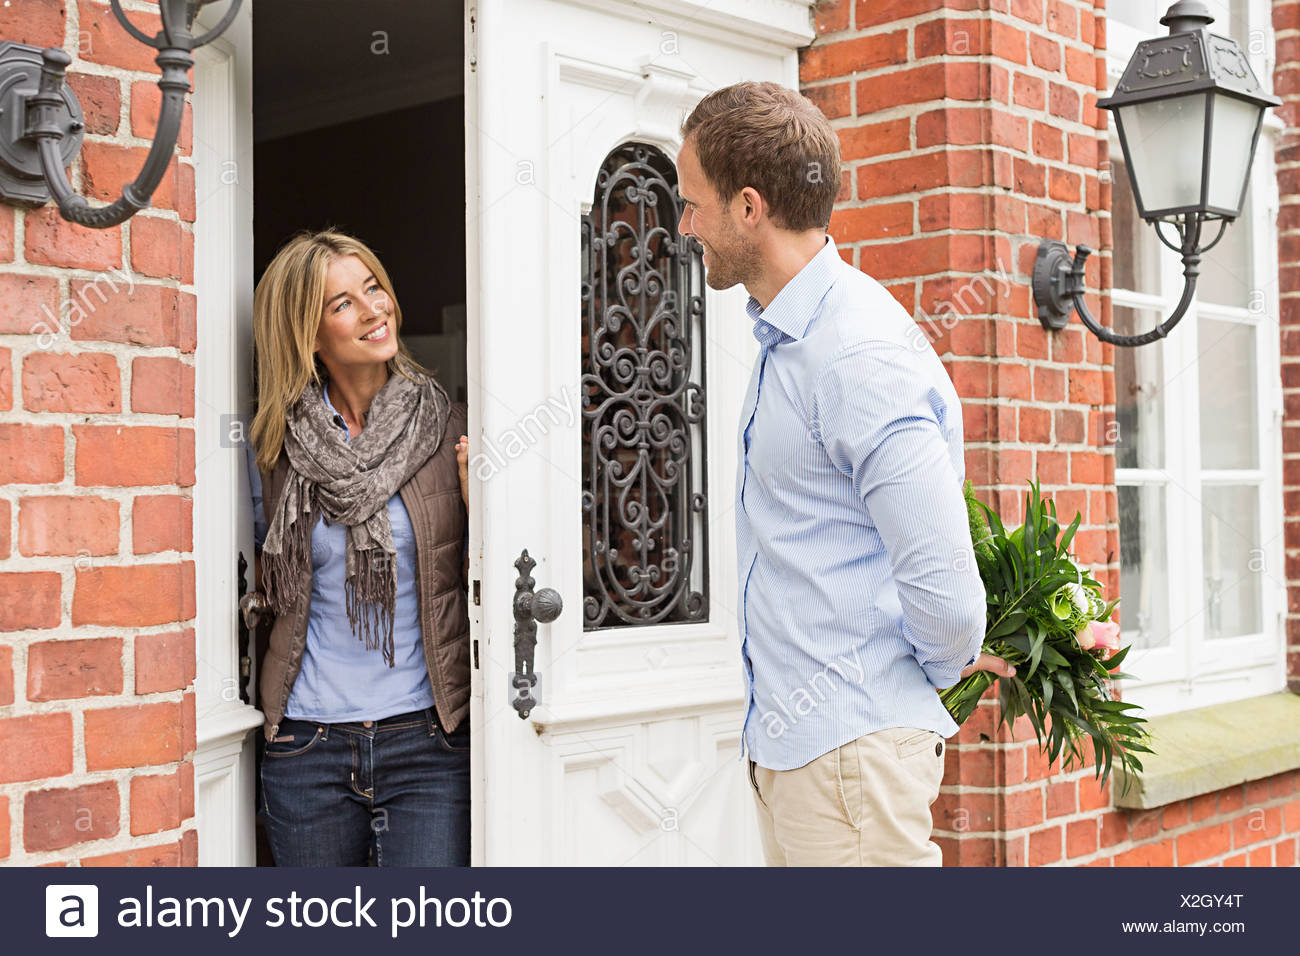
(377, 334)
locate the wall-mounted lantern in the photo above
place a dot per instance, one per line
(1189, 111)
(41, 120)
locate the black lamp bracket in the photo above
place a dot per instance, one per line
(1059, 282)
(41, 122)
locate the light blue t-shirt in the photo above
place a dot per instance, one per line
(340, 679)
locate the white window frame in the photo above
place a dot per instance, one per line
(1193, 670)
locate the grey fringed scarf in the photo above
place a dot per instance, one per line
(350, 483)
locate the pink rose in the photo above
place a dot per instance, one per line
(1102, 634)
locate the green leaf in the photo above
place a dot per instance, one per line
(1007, 625)
(1117, 658)
(1036, 649)
(1064, 543)
(1053, 657)
(1066, 683)
(999, 529)
(1020, 642)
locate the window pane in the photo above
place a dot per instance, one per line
(1144, 566)
(1139, 394)
(1136, 256)
(1235, 122)
(1227, 277)
(1229, 403)
(1233, 593)
(1156, 130)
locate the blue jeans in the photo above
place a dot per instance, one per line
(395, 792)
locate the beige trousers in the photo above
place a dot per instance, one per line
(866, 803)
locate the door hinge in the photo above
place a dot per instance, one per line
(477, 600)
(472, 58)
(476, 655)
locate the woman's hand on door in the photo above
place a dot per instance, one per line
(462, 465)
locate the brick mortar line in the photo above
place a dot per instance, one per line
(23, 641)
(1018, 241)
(129, 140)
(21, 707)
(125, 418)
(46, 564)
(36, 563)
(27, 636)
(20, 788)
(1029, 69)
(1010, 108)
(992, 148)
(865, 162)
(74, 273)
(854, 32)
(23, 344)
(16, 490)
(117, 843)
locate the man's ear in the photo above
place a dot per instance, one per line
(752, 207)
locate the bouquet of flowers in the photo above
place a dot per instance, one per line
(1048, 618)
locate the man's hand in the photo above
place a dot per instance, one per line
(989, 662)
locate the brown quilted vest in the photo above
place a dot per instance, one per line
(432, 498)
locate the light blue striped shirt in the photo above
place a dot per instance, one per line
(858, 590)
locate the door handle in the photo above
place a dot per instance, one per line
(531, 608)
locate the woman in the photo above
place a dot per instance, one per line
(360, 495)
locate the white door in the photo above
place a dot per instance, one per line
(625, 501)
(223, 229)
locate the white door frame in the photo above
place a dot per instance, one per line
(223, 283)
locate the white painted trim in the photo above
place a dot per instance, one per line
(223, 232)
(770, 26)
(226, 724)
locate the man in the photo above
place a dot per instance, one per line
(858, 592)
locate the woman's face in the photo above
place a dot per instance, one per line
(357, 326)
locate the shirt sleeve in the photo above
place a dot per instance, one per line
(882, 424)
(255, 489)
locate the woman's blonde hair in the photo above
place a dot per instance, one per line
(287, 307)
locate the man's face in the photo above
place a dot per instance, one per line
(730, 256)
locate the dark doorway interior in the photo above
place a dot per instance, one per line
(358, 114)
(359, 120)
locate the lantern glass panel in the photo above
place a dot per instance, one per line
(1164, 145)
(1235, 122)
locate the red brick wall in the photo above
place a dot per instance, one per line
(97, 723)
(1286, 84)
(969, 131)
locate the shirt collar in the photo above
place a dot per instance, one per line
(334, 412)
(793, 308)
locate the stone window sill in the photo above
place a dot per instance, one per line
(1212, 748)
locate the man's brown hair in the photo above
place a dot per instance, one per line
(774, 140)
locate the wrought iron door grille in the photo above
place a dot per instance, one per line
(644, 488)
